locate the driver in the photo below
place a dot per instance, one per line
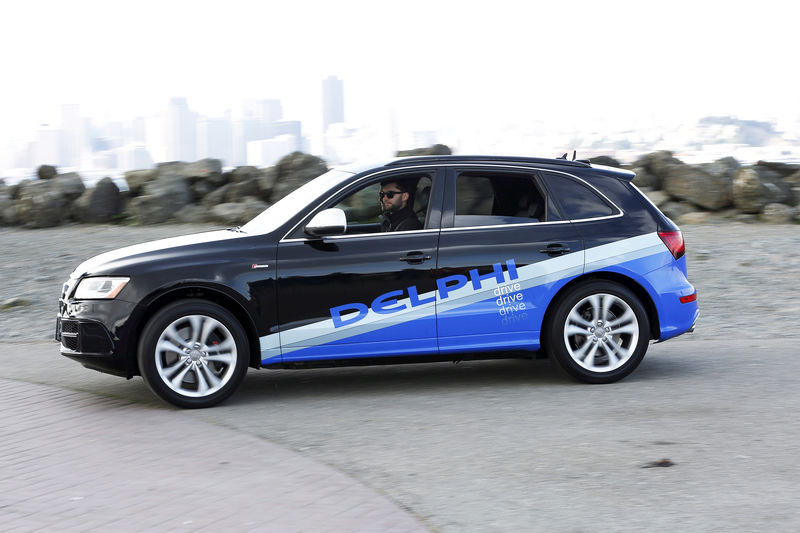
(397, 214)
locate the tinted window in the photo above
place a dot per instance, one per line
(577, 201)
(508, 198)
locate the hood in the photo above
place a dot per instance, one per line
(149, 250)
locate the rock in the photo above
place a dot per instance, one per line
(777, 214)
(217, 196)
(207, 170)
(659, 198)
(606, 161)
(246, 173)
(693, 184)
(266, 182)
(69, 185)
(137, 179)
(697, 217)
(39, 205)
(657, 163)
(102, 203)
(436, 149)
(13, 303)
(295, 170)
(161, 199)
(238, 213)
(200, 189)
(46, 172)
(644, 179)
(8, 211)
(674, 210)
(752, 190)
(192, 214)
(725, 168)
(781, 169)
(171, 168)
(242, 189)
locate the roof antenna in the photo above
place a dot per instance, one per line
(574, 154)
(564, 157)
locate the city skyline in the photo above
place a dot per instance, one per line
(472, 75)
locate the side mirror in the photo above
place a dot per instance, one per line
(327, 222)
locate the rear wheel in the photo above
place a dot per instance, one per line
(193, 353)
(598, 332)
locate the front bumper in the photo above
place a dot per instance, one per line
(93, 333)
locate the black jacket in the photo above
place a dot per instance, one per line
(402, 220)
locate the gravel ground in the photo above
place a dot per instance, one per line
(747, 276)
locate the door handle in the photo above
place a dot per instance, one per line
(555, 249)
(415, 258)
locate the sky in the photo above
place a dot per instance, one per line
(430, 65)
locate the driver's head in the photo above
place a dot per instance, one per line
(394, 196)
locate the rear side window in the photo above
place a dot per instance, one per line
(577, 200)
(486, 199)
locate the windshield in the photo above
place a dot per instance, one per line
(284, 209)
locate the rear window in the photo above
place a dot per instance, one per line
(484, 199)
(577, 200)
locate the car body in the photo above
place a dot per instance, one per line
(515, 256)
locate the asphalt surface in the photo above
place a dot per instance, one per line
(702, 437)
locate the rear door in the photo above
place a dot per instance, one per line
(504, 251)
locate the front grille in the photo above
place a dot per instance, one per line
(69, 326)
(70, 343)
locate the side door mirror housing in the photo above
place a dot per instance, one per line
(326, 223)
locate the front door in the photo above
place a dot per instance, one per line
(366, 293)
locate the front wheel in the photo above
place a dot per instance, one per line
(193, 353)
(598, 332)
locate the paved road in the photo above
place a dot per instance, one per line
(508, 445)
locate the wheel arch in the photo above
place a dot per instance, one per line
(160, 300)
(629, 283)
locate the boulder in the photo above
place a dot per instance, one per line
(698, 217)
(102, 203)
(674, 210)
(725, 168)
(659, 198)
(781, 169)
(693, 184)
(777, 214)
(241, 189)
(192, 214)
(137, 179)
(246, 173)
(266, 182)
(39, 205)
(436, 149)
(644, 179)
(161, 199)
(206, 170)
(752, 190)
(217, 196)
(238, 213)
(295, 170)
(69, 185)
(46, 172)
(606, 161)
(8, 211)
(658, 163)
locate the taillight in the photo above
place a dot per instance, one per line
(674, 241)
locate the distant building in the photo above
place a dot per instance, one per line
(73, 137)
(267, 152)
(215, 139)
(332, 102)
(181, 131)
(47, 148)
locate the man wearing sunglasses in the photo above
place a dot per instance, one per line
(397, 213)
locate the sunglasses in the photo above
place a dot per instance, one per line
(388, 194)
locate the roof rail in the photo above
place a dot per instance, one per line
(478, 158)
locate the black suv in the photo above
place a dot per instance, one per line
(411, 260)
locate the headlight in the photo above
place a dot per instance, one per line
(91, 288)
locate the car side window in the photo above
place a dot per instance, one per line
(363, 209)
(487, 199)
(577, 200)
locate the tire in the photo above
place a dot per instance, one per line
(598, 332)
(193, 353)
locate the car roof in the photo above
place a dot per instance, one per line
(455, 159)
